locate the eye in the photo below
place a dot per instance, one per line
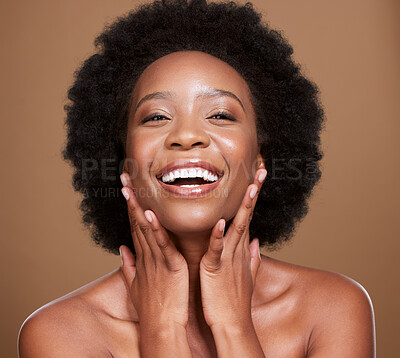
(223, 115)
(154, 117)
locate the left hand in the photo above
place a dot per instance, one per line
(229, 267)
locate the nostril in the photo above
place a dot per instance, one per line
(198, 143)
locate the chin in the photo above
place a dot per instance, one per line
(186, 221)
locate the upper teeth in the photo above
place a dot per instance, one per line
(189, 173)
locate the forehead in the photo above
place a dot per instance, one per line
(188, 72)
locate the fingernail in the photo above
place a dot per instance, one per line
(222, 225)
(253, 192)
(125, 193)
(148, 216)
(262, 176)
(124, 180)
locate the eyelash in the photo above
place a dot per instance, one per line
(148, 118)
(221, 113)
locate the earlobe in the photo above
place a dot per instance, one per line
(260, 162)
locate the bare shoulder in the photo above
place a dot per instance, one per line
(344, 313)
(70, 326)
(338, 310)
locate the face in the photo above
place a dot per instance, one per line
(192, 111)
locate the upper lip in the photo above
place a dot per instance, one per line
(189, 163)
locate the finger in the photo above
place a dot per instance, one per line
(128, 263)
(238, 227)
(258, 180)
(164, 245)
(245, 248)
(242, 218)
(141, 225)
(172, 256)
(138, 249)
(136, 243)
(212, 258)
(126, 179)
(255, 258)
(137, 239)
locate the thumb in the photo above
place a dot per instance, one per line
(255, 258)
(212, 258)
(128, 263)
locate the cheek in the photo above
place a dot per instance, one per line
(140, 151)
(240, 153)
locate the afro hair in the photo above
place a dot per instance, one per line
(289, 114)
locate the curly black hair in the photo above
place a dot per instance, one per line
(289, 114)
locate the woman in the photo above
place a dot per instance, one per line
(197, 105)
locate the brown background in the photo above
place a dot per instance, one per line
(350, 48)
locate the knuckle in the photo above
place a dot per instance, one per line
(131, 215)
(163, 244)
(218, 248)
(156, 229)
(240, 229)
(145, 229)
(213, 266)
(248, 205)
(134, 225)
(251, 215)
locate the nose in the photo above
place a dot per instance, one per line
(187, 133)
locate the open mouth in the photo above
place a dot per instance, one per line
(192, 177)
(190, 182)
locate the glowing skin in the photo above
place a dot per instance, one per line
(189, 130)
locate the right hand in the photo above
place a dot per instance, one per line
(157, 278)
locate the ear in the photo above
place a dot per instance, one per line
(260, 161)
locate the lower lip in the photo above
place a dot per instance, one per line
(190, 192)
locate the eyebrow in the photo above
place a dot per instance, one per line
(209, 93)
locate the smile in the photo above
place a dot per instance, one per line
(189, 178)
(190, 188)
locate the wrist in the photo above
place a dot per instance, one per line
(237, 340)
(236, 325)
(233, 329)
(164, 341)
(161, 329)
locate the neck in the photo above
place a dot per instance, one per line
(193, 246)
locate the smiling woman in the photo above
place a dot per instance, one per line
(195, 102)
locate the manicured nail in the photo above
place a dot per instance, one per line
(125, 193)
(222, 225)
(262, 176)
(148, 216)
(253, 192)
(124, 180)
